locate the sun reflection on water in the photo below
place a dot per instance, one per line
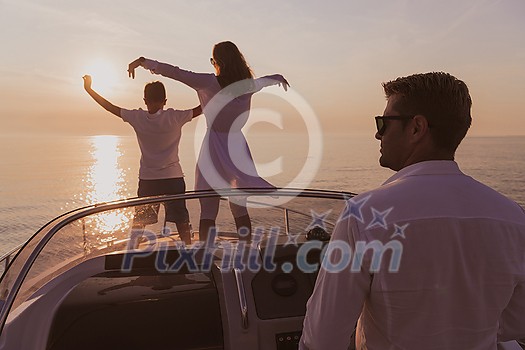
(106, 182)
(105, 177)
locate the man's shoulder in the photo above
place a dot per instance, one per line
(499, 201)
(380, 194)
(442, 195)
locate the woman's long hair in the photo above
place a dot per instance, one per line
(230, 64)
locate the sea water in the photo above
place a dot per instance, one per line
(42, 176)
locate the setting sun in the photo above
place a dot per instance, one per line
(104, 75)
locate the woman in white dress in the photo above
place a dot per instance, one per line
(225, 160)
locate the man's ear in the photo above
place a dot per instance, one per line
(419, 127)
(165, 100)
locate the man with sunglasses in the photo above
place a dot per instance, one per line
(435, 259)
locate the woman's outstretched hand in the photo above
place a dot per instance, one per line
(282, 82)
(131, 67)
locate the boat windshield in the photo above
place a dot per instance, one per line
(134, 225)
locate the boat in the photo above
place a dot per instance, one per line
(91, 279)
(100, 278)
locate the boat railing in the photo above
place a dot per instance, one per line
(286, 215)
(7, 257)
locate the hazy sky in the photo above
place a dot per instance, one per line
(335, 54)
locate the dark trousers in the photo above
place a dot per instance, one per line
(176, 210)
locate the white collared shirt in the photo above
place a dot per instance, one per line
(459, 247)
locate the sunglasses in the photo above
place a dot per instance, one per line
(381, 125)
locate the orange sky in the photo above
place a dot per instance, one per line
(334, 54)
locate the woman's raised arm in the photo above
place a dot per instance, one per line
(192, 79)
(269, 80)
(134, 65)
